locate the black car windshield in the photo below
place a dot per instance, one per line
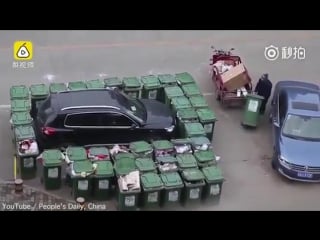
(134, 107)
(305, 127)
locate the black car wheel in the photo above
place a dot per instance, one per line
(274, 161)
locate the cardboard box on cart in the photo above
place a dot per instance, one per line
(235, 78)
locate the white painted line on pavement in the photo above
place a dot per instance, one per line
(5, 106)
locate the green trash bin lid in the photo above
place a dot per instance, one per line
(24, 132)
(145, 164)
(78, 85)
(162, 144)
(205, 156)
(191, 90)
(180, 141)
(124, 165)
(213, 173)
(192, 175)
(150, 82)
(123, 155)
(99, 151)
(206, 115)
(173, 91)
(131, 82)
(198, 101)
(18, 92)
(167, 79)
(166, 159)
(21, 118)
(171, 179)
(57, 87)
(187, 160)
(39, 90)
(82, 167)
(113, 82)
(94, 84)
(76, 153)
(187, 114)
(52, 157)
(104, 168)
(194, 129)
(184, 78)
(180, 102)
(151, 180)
(20, 105)
(140, 147)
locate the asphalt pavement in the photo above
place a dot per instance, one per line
(251, 184)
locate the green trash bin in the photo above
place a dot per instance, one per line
(123, 155)
(252, 110)
(208, 120)
(113, 82)
(124, 165)
(132, 87)
(57, 87)
(167, 164)
(191, 90)
(21, 118)
(182, 145)
(194, 182)
(172, 188)
(172, 92)
(102, 180)
(214, 180)
(39, 93)
(25, 136)
(145, 165)
(198, 102)
(178, 103)
(200, 143)
(77, 85)
(51, 169)
(95, 84)
(128, 199)
(151, 188)
(184, 78)
(19, 92)
(99, 154)
(186, 161)
(151, 87)
(162, 148)
(82, 179)
(141, 149)
(74, 154)
(20, 105)
(185, 116)
(194, 129)
(167, 80)
(205, 158)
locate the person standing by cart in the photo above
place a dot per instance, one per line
(264, 88)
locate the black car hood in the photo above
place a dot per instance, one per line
(159, 115)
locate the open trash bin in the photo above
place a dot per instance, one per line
(77, 85)
(205, 158)
(82, 179)
(151, 185)
(51, 168)
(98, 154)
(252, 110)
(167, 164)
(20, 105)
(182, 145)
(141, 149)
(146, 165)
(19, 92)
(163, 148)
(172, 92)
(187, 115)
(132, 87)
(194, 130)
(102, 180)
(186, 161)
(151, 87)
(191, 90)
(20, 118)
(214, 180)
(27, 151)
(200, 143)
(178, 103)
(57, 87)
(95, 84)
(194, 182)
(113, 82)
(198, 102)
(39, 93)
(173, 186)
(208, 120)
(184, 78)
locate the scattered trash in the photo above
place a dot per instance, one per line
(168, 167)
(130, 181)
(117, 149)
(28, 147)
(98, 153)
(218, 158)
(186, 148)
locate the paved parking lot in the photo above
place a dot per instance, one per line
(251, 184)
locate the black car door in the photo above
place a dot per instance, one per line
(278, 118)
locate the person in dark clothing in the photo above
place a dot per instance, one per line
(264, 88)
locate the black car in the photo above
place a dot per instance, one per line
(100, 117)
(295, 115)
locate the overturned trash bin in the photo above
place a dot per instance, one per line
(252, 110)
(20, 105)
(102, 180)
(167, 164)
(19, 92)
(187, 115)
(184, 78)
(129, 191)
(200, 143)
(205, 158)
(182, 145)
(95, 84)
(163, 148)
(194, 130)
(39, 93)
(178, 103)
(208, 120)
(98, 154)
(132, 87)
(198, 102)
(57, 87)
(113, 82)
(51, 168)
(191, 90)
(214, 180)
(146, 165)
(77, 86)
(151, 87)
(151, 188)
(186, 161)
(172, 92)
(141, 149)
(27, 151)
(194, 181)
(20, 118)
(173, 186)
(81, 176)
